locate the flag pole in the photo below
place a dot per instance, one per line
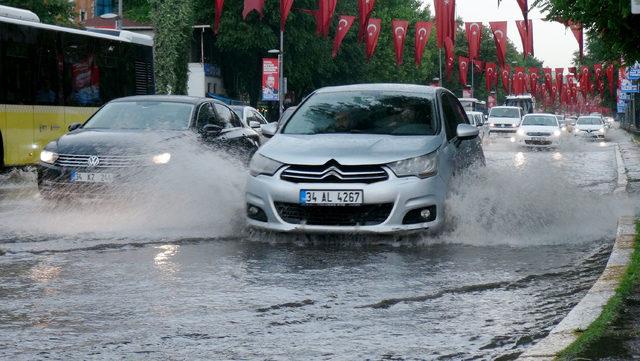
(472, 82)
(440, 62)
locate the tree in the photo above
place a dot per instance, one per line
(172, 21)
(609, 20)
(59, 12)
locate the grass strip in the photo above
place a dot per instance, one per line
(611, 310)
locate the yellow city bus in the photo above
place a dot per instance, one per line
(53, 76)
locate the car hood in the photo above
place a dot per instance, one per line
(347, 149)
(107, 141)
(539, 128)
(589, 127)
(497, 120)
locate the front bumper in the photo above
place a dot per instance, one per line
(539, 141)
(503, 128)
(590, 135)
(401, 194)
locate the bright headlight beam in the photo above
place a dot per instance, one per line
(163, 158)
(49, 157)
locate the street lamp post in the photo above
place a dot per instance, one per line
(281, 93)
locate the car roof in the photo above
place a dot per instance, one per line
(409, 88)
(506, 106)
(538, 114)
(166, 98)
(473, 112)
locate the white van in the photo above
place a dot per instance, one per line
(504, 119)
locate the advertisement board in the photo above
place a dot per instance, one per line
(270, 75)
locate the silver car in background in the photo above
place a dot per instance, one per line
(371, 158)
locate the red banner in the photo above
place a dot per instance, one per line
(534, 75)
(372, 35)
(445, 21)
(576, 29)
(474, 38)
(526, 35)
(423, 31)
(365, 7)
(270, 75)
(285, 8)
(216, 19)
(463, 68)
(504, 72)
(344, 24)
(610, 72)
(499, 30)
(525, 9)
(547, 77)
(559, 79)
(251, 5)
(585, 84)
(478, 65)
(572, 70)
(520, 81)
(449, 53)
(399, 35)
(489, 75)
(597, 69)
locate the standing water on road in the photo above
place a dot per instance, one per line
(178, 277)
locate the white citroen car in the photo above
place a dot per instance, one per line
(539, 130)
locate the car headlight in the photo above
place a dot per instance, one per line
(492, 124)
(163, 158)
(520, 132)
(422, 167)
(601, 130)
(263, 165)
(49, 157)
(557, 133)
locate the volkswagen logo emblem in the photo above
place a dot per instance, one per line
(93, 161)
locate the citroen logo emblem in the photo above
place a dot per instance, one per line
(93, 161)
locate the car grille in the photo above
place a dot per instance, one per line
(332, 172)
(105, 161)
(538, 134)
(363, 215)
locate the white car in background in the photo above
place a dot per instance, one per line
(539, 130)
(477, 119)
(504, 119)
(590, 126)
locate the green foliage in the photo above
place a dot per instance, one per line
(172, 21)
(60, 12)
(609, 20)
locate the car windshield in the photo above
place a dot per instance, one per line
(143, 115)
(589, 121)
(238, 110)
(504, 113)
(541, 120)
(365, 112)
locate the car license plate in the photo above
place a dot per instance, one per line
(91, 177)
(538, 139)
(331, 198)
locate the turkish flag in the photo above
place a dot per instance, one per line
(499, 30)
(423, 31)
(399, 35)
(251, 5)
(576, 29)
(526, 35)
(463, 68)
(597, 69)
(449, 53)
(585, 85)
(478, 65)
(344, 24)
(525, 9)
(365, 7)
(519, 77)
(547, 77)
(445, 21)
(372, 35)
(216, 19)
(559, 79)
(610, 72)
(489, 75)
(474, 38)
(285, 8)
(571, 70)
(504, 72)
(534, 75)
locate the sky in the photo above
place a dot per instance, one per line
(552, 42)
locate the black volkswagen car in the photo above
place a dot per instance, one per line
(136, 135)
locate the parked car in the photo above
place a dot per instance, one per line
(539, 130)
(373, 158)
(592, 127)
(504, 119)
(477, 119)
(135, 135)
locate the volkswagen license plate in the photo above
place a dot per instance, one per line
(331, 198)
(91, 177)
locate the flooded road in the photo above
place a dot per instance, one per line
(530, 233)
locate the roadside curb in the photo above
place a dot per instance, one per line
(622, 172)
(591, 305)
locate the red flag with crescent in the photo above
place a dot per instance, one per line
(365, 7)
(478, 65)
(371, 36)
(344, 24)
(445, 21)
(423, 31)
(585, 84)
(504, 73)
(525, 9)
(571, 70)
(610, 72)
(489, 75)
(499, 30)
(520, 80)
(474, 38)
(547, 77)
(463, 68)
(534, 75)
(597, 70)
(251, 5)
(559, 79)
(216, 18)
(449, 53)
(526, 35)
(285, 8)
(399, 28)
(576, 29)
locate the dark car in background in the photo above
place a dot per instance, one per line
(134, 137)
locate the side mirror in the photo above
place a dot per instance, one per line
(269, 130)
(467, 131)
(254, 124)
(74, 126)
(211, 130)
